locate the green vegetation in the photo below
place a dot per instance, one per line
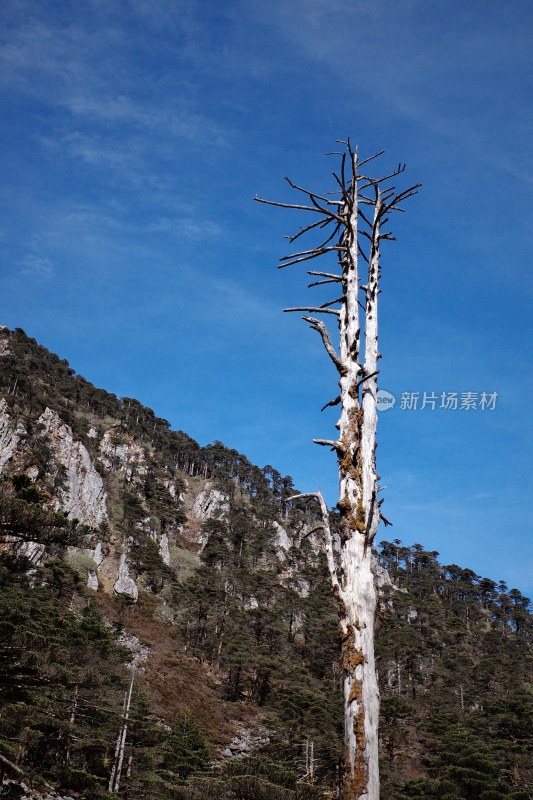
(187, 752)
(239, 635)
(61, 678)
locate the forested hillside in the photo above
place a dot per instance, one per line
(167, 629)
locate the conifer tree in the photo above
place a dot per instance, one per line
(187, 751)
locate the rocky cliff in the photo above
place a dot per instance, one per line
(107, 473)
(180, 596)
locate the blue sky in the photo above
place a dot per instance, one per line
(135, 136)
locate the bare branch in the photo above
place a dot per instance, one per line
(342, 186)
(311, 194)
(348, 147)
(362, 253)
(331, 236)
(297, 206)
(329, 276)
(377, 181)
(319, 326)
(334, 444)
(313, 530)
(366, 378)
(387, 195)
(320, 223)
(332, 302)
(321, 283)
(334, 402)
(315, 253)
(314, 310)
(399, 198)
(325, 275)
(369, 538)
(325, 211)
(328, 539)
(371, 158)
(318, 249)
(365, 218)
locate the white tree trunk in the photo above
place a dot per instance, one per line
(116, 772)
(359, 518)
(349, 556)
(72, 720)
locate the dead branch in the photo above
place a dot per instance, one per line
(319, 249)
(377, 181)
(399, 198)
(325, 274)
(362, 253)
(312, 194)
(325, 211)
(367, 377)
(334, 444)
(313, 530)
(334, 402)
(330, 556)
(297, 206)
(320, 223)
(313, 254)
(314, 310)
(321, 283)
(332, 302)
(342, 187)
(365, 218)
(318, 325)
(307, 255)
(332, 236)
(370, 158)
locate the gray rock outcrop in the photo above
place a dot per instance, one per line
(246, 742)
(125, 457)
(9, 435)
(84, 496)
(124, 583)
(210, 502)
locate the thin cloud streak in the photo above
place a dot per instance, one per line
(34, 266)
(426, 75)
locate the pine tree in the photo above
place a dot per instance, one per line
(187, 752)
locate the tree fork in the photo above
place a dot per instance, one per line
(349, 556)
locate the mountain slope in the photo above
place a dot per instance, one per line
(186, 575)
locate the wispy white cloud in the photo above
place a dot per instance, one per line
(93, 150)
(188, 226)
(86, 69)
(400, 57)
(34, 266)
(161, 115)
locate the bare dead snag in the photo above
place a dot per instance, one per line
(116, 772)
(354, 217)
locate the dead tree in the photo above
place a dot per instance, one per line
(116, 772)
(353, 220)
